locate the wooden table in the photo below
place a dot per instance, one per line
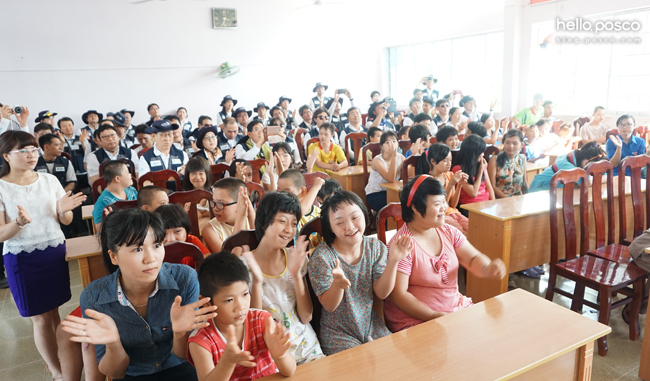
(351, 178)
(517, 230)
(393, 191)
(88, 252)
(644, 367)
(516, 336)
(87, 215)
(555, 153)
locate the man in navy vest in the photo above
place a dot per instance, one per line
(92, 119)
(163, 155)
(119, 120)
(73, 144)
(110, 150)
(353, 126)
(320, 99)
(243, 118)
(53, 163)
(229, 135)
(130, 128)
(154, 113)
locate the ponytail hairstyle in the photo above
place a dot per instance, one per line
(590, 152)
(473, 146)
(437, 152)
(515, 132)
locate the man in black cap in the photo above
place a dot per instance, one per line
(46, 117)
(320, 99)
(92, 119)
(111, 150)
(163, 155)
(119, 120)
(154, 112)
(130, 128)
(262, 111)
(242, 116)
(227, 105)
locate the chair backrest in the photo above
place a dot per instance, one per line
(392, 210)
(160, 178)
(405, 145)
(556, 125)
(312, 141)
(98, 187)
(634, 164)
(241, 238)
(433, 140)
(66, 155)
(412, 162)
(461, 137)
(124, 204)
(257, 165)
(613, 131)
(311, 227)
(596, 170)
(299, 138)
(133, 147)
(252, 188)
(578, 123)
(364, 117)
(143, 151)
(353, 143)
(310, 177)
(177, 252)
(489, 151)
(569, 178)
(375, 148)
(217, 171)
(129, 165)
(194, 197)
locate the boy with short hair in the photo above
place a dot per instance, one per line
(292, 181)
(374, 135)
(448, 136)
(330, 156)
(233, 211)
(533, 149)
(144, 137)
(420, 140)
(151, 197)
(53, 163)
(119, 187)
(240, 343)
(329, 187)
(42, 129)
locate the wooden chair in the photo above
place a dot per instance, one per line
(578, 123)
(217, 171)
(353, 143)
(124, 204)
(410, 162)
(489, 151)
(241, 238)
(392, 210)
(599, 274)
(129, 165)
(311, 227)
(310, 177)
(433, 140)
(184, 253)
(160, 178)
(143, 151)
(194, 197)
(252, 189)
(135, 146)
(364, 117)
(375, 148)
(310, 142)
(405, 145)
(613, 131)
(98, 187)
(299, 138)
(461, 137)
(257, 165)
(556, 125)
(644, 133)
(633, 164)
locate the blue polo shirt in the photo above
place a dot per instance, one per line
(635, 147)
(147, 342)
(542, 181)
(107, 198)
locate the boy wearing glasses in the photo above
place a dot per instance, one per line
(110, 150)
(163, 155)
(442, 112)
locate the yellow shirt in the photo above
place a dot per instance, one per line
(335, 155)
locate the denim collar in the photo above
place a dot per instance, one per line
(165, 281)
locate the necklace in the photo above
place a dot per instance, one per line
(134, 305)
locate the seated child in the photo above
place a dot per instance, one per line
(448, 136)
(420, 140)
(282, 160)
(241, 169)
(177, 227)
(233, 212)
(548, 140)
(292, 181)
(240, 343)
(347, 317)
(119, 187)
(331, 155)
(477, 128)
(470, 160)
(151, 197)
(404, 133)
(374, 135)
(565, 131)
(329, 187)
(533, 148)
(385, 168)
(199, 176)
(278, 274)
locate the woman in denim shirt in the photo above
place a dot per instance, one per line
(139, 317)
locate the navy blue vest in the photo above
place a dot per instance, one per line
(93, 145)
(59, 170)
(76, 152)
(122, 152)
(156, 162)
(223, 142)
(317, 103)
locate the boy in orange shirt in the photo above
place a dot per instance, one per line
(330, 156)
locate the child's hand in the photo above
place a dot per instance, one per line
(276, 338)
(242, 206)
(188, 317)
(496, 269)
(99, 329)
(108, 210)
(400, 248)
(458, 177)
(278, 163)
(296, 256)
(311, 160)
(270, 167)
(187, 206)
(234, 355)
(318, 183)
(336, 167)
(340, 280)
(253, 266)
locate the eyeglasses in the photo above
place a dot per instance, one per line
(443, 106)
(257, 130)
(626, 125)
(206, 125)
(210, 138)
(322, 117)
(220, 205)
(111, 136)
(25, 152)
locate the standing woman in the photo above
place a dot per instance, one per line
(227, 106)
(186, 125)
(507, 170)
(32, 205)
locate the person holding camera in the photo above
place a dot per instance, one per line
(19, 120)
(377, 115)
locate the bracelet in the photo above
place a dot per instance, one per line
(19, 225)
(61, 214)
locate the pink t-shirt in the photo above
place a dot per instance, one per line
(433, 280)
(482, 195)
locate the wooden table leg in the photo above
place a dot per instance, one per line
(84, 269)
(585, 359)
(492, 238)
(644, 366)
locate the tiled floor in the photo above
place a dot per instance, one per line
(19, 359)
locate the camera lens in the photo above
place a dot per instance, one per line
(18, 110)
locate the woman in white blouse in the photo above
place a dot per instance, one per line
(31, 206)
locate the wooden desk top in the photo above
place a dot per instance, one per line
(396, 186)
(82, 247)
(87, 211)
(536, 166)
(348, 171)
(531, 203)
(483, 342)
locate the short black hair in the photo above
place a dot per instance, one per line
(404, 131)
(302, 109)
(295, 176)
(221, 270)
(46, 139)
(283, 146)
(329, 127)
(418, 131)
(477, 128)
(202, 118)
(372, 131)
(331, 205)
(197, 164)
(230, 185)
(486, 116)
(386, 135)
(111, 169)
(618, 121)
(127, 227)
(441, 101)
(429, 186)
(64, 119)
(254, 123)
(445, 132)
(174, 216)
(151, 105)
(232, 170)
(330, 187)
(546, 103)
(141, 129)
(421, 117)
(374, 92)
(437, 152)
(145, 194)
(43, 126)
(172, 118)
(103, 128)
(272, 204)
(542, 122)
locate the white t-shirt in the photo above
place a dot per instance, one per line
(266, 179)
(279, 298)
(588, 132)
(375, 178)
